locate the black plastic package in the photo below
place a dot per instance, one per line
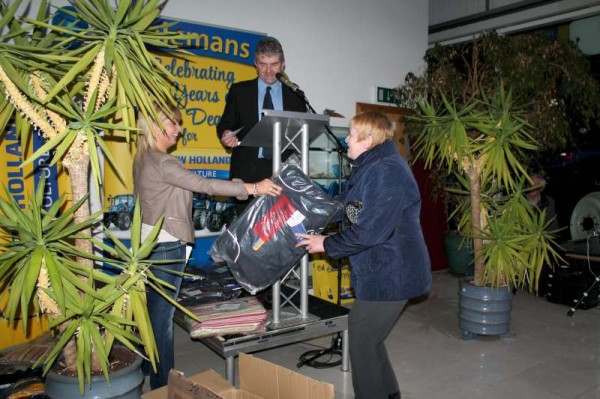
(260, 245)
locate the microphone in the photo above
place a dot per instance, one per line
(283, 79)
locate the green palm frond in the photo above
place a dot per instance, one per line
(444, 137)
(88, 77)
(507, 138)
(124, 35)
(485, 143)
(541, 246)
(92, 125)
(24, 49)
(117, 308)
(137, 276)
(38, 240)
(11, 29)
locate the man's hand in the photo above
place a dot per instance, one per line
(229, 140)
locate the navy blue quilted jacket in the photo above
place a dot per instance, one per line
(384, 242)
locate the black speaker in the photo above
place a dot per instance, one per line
(567, 285)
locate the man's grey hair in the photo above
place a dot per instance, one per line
(539, 177)
(269, 46)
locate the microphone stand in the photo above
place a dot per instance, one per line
(338, 146)
(309, 358)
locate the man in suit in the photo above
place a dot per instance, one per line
(244, 106)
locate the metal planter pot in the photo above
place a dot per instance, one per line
(484, 310)
(125, 383)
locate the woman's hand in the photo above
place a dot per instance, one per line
(267, 187)
(312, 243)
(264, 187)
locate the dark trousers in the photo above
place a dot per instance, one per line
(369, 323)
(161, 311)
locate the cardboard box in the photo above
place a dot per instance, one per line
(259, 379)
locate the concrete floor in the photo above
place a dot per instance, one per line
(553, 356)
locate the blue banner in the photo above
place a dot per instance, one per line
(215, 42)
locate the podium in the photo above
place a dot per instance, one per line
(282, 130)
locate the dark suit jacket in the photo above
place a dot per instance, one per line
(241, 109)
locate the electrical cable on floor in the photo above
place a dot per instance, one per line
(309, 358)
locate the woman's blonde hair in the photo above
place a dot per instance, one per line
(146, 140)
(374, 124)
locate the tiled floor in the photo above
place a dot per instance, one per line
(552, 356)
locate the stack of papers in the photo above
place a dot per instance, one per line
(235, 316)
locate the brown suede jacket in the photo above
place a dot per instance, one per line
(165, 188)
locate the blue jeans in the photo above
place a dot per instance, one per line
(161, 311)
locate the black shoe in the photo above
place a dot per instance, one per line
(395, 395)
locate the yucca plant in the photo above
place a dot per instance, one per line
(37, 265)
(557, 85)
(484, 144)
(77, 84)
(37, 252)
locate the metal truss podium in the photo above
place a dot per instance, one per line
(282, 130)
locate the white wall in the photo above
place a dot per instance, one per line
(337, 51)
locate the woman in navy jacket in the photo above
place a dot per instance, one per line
(386, 248)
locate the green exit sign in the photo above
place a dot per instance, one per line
(385, 95)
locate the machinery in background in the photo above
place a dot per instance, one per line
(212, 214)
(120, 211)
(577, 283)
(571, 176)
(585, 219)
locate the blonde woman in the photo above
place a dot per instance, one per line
(165, 188)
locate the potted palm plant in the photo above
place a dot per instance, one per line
(487, 138)
(551, 79)
(78, 83)
(484, 143)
